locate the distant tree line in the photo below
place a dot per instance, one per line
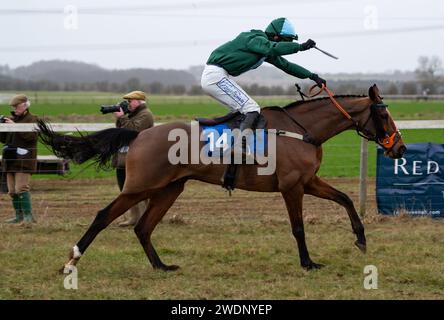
(428, 73)
(8, 83)
(339, 86)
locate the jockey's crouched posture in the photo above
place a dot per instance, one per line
(248, 51)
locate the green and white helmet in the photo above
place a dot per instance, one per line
(281, 27)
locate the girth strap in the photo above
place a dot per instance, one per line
(305, 137)
(289, 134)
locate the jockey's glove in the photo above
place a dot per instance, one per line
(307, 45)
(319, 81)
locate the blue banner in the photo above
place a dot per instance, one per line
(413, 184)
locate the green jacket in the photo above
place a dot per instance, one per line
(17, 161)
(250, 49)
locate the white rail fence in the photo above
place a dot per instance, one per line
(408, 124)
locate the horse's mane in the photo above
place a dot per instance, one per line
(300, 102)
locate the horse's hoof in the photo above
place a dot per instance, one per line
(361, 246)
(164, 267)
(64, 270)
(312, 266)
(67, 269)
(171, 268)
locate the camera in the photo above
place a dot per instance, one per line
(115, 108)
(2, 118)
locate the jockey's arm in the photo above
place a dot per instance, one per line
(289, 67)
(269, 48)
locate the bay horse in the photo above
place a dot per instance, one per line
(150, 175)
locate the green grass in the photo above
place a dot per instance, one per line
(238, 247)
(413, 110)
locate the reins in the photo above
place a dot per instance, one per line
(333, 100)
(387, 143)
(339, 107)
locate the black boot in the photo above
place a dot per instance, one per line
(249, 120)
(248, 123)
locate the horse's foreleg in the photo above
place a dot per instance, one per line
(103, 218)
(158, 206)
(319, 188)
(293, 201)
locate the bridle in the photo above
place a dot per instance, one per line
(387, 142)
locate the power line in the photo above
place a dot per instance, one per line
(144, 12)
(109, 46)
(377, 32)
(122, 12)
(197, 43)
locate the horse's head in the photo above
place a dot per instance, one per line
(381, 128)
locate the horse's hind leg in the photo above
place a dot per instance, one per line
(293, 201)
(103, 218)
(319, 188)
(158, 206)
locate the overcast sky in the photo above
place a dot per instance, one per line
(367, 35)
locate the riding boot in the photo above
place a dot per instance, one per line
(25, 198)
(18, 212)
(241, 141)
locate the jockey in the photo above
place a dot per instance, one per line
(248, 51)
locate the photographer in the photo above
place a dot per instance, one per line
(139, 118)
(19, 159)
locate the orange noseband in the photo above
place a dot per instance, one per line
(389, 141)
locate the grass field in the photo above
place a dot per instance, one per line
(238, 247)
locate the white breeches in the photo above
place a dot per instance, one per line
(217, 83)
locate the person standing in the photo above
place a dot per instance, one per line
(139, 118)
(19, 159)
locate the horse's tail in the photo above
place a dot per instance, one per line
(99, 146)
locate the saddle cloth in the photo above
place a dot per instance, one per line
(218, 136)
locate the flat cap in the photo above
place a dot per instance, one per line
(136, 95)
(20, 98)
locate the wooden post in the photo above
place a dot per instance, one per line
(363, 169)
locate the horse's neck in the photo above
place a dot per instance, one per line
(324, 121)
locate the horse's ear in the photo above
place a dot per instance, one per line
(373, 93)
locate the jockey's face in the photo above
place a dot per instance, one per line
(286, 39)
(276, 38)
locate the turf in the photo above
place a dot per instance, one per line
(238, 247)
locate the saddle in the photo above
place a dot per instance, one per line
(219, 120)
(232, 120)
